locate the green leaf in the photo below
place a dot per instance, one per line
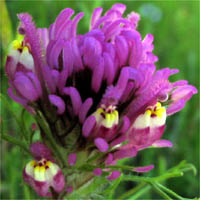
(92, 187)
(45, 127)
(16, 142)
(169, 191)
(160, 192)
(17, 119)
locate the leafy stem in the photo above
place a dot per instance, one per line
(17, 119)
(15, 141)
(48, 133)
(160, 192)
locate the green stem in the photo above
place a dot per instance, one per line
(140, 193)
(48, 133)
(169, 191)
(19, 122)
(153, 179)
(132, 191)
(160, 192)
(120, 167)
(15, 141)
(27, 135)
(95, 157)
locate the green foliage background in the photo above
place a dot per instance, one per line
(175, 26)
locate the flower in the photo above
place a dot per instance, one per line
(99, 92)
(42, 173)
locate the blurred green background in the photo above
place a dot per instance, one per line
(175, 26)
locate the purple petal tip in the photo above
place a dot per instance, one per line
(72, 159)
(143, 169)
(101, 144)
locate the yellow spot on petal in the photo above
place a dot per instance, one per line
(148, 112)
(158, 105)
(160, 112)
(48, 164)
(33, 163)
(107, 117)
(42, 169)
(17, 44)
(99, 111)
(25, 49)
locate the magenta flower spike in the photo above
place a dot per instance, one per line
(98, 95)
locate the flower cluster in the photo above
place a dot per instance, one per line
(101, 88)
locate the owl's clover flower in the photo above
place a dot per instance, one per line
(43, 173)
(98, 91)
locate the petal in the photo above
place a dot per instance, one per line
(76, 19)
(19, 100)
(114, 175)
(101, 144)
(58, 102)
(68, 58)
(162, 143)
(85, 107)
(48, 79)
(109, 70)
(134, 19)
(97, 76)
(122, 49)
(95, 16)
(125, 153)
(63, 79)
(88, 125)
(125, 125)
(36, 82)
(40, 187)
(44, 37)
(58, 29)
(75, 98)
(143, 169)
(119, 7)
(26, 88)
(97, 171)
(118, 140)
(39, 151)
(58, 183)
(72, 159)
(54, 55)
(26, 59)
(69, 189)
(76, 55)
(11, 63)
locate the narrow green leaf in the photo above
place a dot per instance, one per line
(169, 191)
(140, 193)
(15, 141)
(43, 124)
(133, 191)
(17, 119)
(160, 192)
(89, 188)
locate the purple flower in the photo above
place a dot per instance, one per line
(99, 91)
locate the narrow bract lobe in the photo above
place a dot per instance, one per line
(98, 92)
